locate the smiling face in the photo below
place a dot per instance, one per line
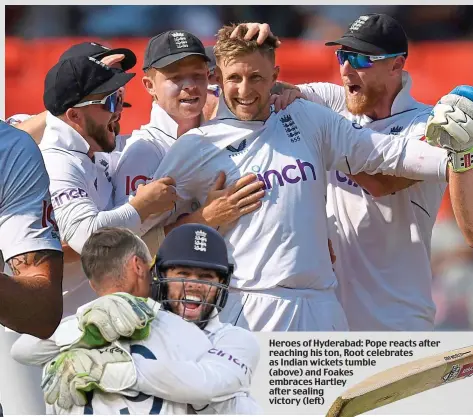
(191, 299)
(180, 88)
(246, 83)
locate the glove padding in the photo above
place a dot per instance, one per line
(71, 374)
(450, 124)
(107, 319)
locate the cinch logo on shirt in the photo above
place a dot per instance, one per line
(64, 196)
(221, 353)
(291, 174)
(341, 177)
(132, 184)
(48, 216)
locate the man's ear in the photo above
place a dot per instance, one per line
(73, 115)
(275, 73)
(148, 84)
(218, 76)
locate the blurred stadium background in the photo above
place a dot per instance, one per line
(440, 57)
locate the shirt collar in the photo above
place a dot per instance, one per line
(59, 134)
(162, 120)
(223, 112)
(214, 324)
(404, 101)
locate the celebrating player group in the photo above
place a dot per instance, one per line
(245, 204)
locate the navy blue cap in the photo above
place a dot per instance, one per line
(194, 245)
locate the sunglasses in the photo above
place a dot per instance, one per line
(359, 61)
(110, 103)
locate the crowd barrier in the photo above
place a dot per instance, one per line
(435, 67)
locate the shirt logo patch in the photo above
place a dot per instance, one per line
(200, 241)
(292, 131)
(236, 151)
(395, 130)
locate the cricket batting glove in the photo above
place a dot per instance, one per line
(71, 374)
(109, 318)
(450, 126)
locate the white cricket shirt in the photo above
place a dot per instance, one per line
(284, 243)
(27, 221)
(143, 152)
(383, 244)
(81, 199)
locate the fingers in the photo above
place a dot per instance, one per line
(241, 182)
(250, 208)
(220, 181)
(250, 199)
(245, 191)
(167, 181)
(112, 59)
(261, 29)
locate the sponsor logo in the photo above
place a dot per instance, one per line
(200, 241)
(292, 174)
(64, 196)
(342, 178)
(395, 130)
(239, 150)
(465, 160)
(452, 374)
(47, 218)
(131, 185)
(292, 131)
(229, 357)
(357, 125)
(466, 371)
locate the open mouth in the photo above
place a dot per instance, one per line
(242, 102)
(191, 302)
(353, 88)
(189, 100)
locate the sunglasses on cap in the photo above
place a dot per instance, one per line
(358, 60)
(111, 103)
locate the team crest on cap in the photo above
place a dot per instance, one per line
(200, 241)
(358, 23)
(180, 39)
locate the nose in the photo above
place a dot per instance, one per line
(346, 69)
(244, 88)
(188, 83)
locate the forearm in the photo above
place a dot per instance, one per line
(185, 382)
(34, 126)
(70, 255)
(462, 202)
(380, 185)
(31, 304)
(29, 350)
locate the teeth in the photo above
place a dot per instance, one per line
(245, 102)
(192, 298)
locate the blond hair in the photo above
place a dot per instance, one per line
(227, 49)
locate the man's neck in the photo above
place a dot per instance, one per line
(383, 108)
(184, 125)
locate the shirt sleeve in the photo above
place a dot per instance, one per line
(217, 375)
(27, 221)
(325, 94)
(349, 148)
(138, 161)
(76, 213)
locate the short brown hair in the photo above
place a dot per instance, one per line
(107, 250)
(226, 49)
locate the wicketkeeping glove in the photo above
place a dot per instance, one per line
(109, 318)
(450, 126)
(71, 374)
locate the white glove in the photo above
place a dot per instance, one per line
(110, 317)
(72, 373)
(450, 126)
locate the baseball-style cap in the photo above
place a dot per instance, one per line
(172, 46)
(97, 51)
(209, 51)
(194, 245)
(374, 34)
(72, 79)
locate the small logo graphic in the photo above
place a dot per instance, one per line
(395, 130)
(292, 131)
(180, 40)
(466, 371)
(237, 151)
(358, 23)
(99, 63)
(357, 125)
(465, 160)
(200, 241)
(452, 374)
